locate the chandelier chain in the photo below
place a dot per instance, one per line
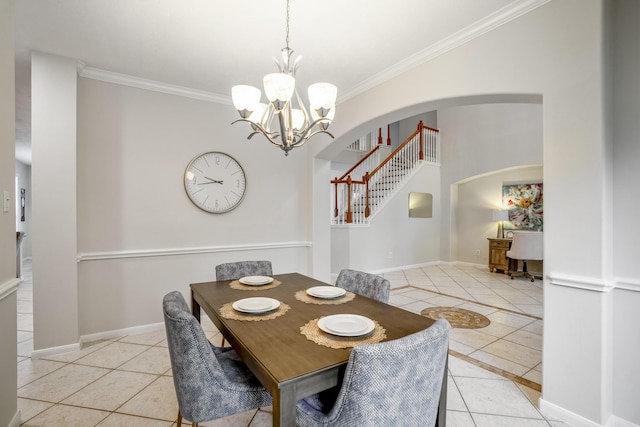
(287, 28)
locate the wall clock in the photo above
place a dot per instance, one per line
(215, 182)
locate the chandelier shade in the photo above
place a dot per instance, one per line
(296, 124)
(245, 99)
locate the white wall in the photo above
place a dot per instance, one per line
(9, 415)
(556, 53)
(625, 231)
(392, 240)
(476, 199)
(139, 236)
(478, 139)
(54, 227)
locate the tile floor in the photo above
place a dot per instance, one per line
(127, 381)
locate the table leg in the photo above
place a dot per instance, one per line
(284, 407)
(195, 308)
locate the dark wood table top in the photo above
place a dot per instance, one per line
(275, 350)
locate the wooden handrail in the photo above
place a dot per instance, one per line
(359, 163)
(368, 175)
(401, 146)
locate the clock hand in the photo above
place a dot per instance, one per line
(213, 181)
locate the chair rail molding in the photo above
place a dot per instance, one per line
(96, 256)
(9, 287)
(627, 284)
(581, 282)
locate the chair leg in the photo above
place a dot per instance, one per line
(179, 421)
(222, 342)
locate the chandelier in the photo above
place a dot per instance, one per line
(296, 124)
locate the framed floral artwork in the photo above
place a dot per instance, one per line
(525, 205)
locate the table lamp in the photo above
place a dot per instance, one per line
(500, 215)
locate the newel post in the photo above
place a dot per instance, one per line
(379, 136)
(349, 214)
(420, 126)
(388, 134)
(367, 209)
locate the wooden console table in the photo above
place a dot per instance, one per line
(498, 256)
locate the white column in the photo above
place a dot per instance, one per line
(54, 228)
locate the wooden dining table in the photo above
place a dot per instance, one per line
(289, 365)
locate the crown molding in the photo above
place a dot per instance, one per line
(478, 28)
(147, 84)
(506, 14)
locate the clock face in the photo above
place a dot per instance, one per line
(215, 182)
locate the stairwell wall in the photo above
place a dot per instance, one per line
(392, 240)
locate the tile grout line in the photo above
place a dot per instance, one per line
(479, 303)
(513, 377)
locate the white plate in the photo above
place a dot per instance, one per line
(256, 305)
(256, 280)
(326, 292)
(346, 325)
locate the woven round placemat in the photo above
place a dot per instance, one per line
(228, 312)
(237, 285)
(315, 334)
(457, 317)
(304, 297)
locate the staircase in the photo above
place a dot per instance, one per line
(357, 200)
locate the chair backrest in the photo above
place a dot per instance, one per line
(527, 245)
(366, 284)
(197, 373)
(236, 270)
(394, 383)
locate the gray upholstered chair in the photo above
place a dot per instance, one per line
(210, 382)
(366, 284)
(236, 270)
(393, 383)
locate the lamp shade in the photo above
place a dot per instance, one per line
(279, 87)
(500, 215)
(245, 97)
(257, 116)
(297, 118)
(322, 95)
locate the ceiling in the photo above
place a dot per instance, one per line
(210, 45)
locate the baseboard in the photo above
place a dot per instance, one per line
(52, 351)
(16, 420)
(555, 412)
(408, 267)
(106, 335)
(619, 422)
(117, 333)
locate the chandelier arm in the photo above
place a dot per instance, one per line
(309, 128)
(258, 126)
(259, 130)
(301, 142)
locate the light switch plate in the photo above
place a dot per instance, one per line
(5, 201)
